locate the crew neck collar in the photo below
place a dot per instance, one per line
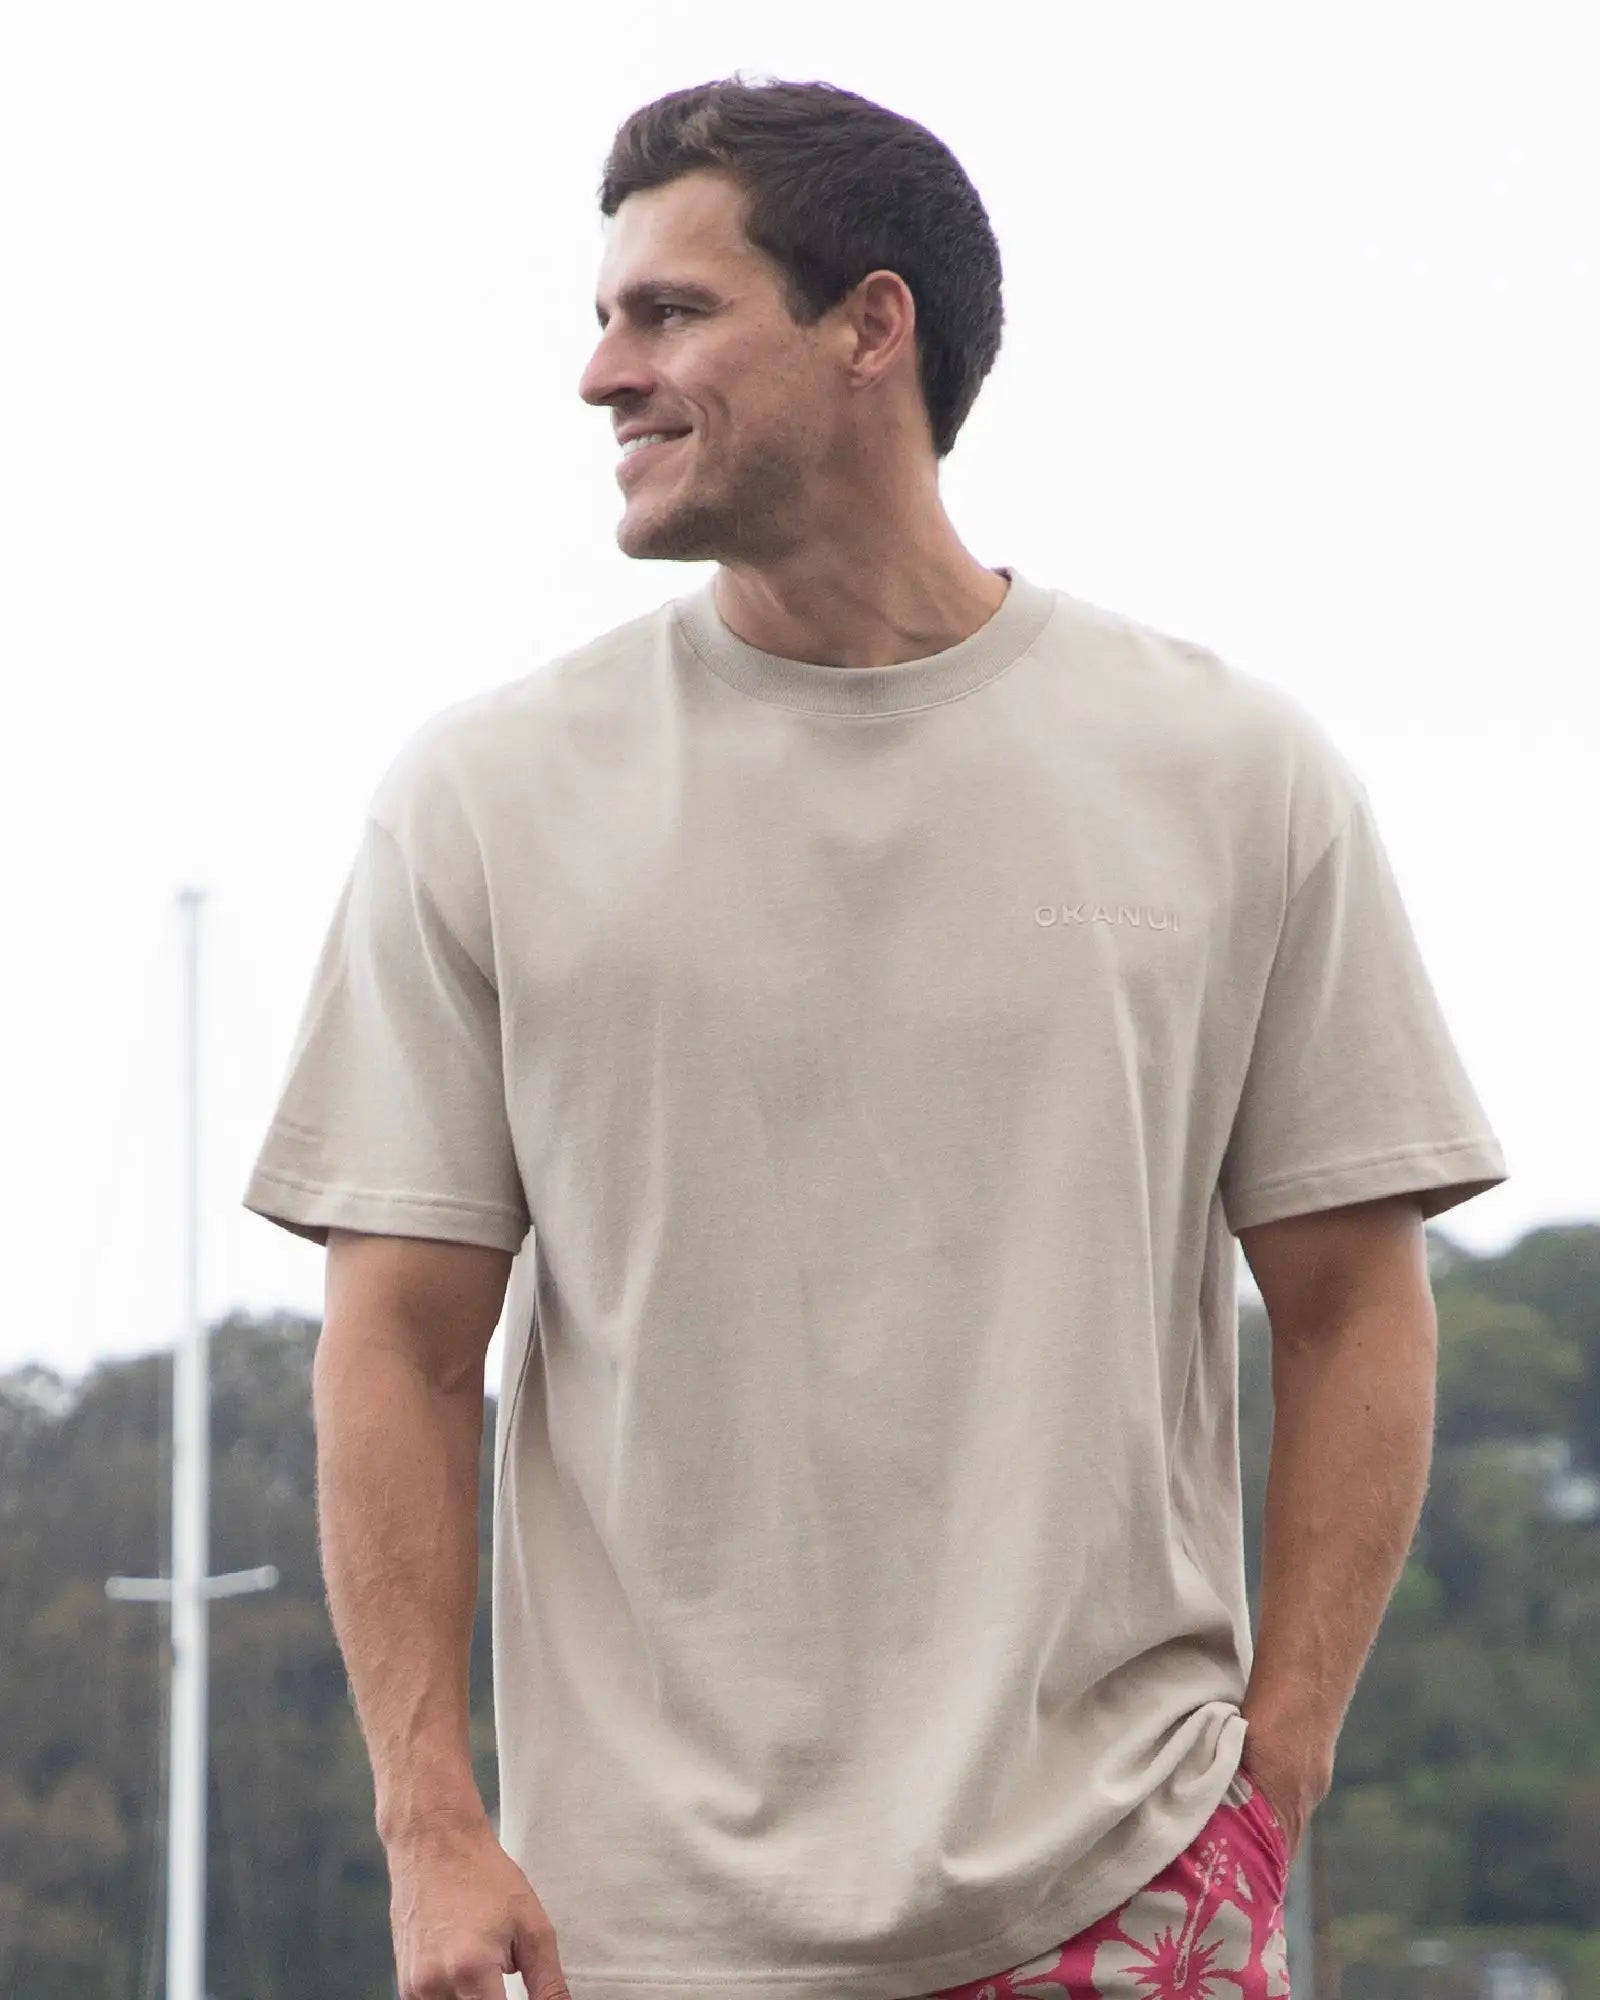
(1013, 626)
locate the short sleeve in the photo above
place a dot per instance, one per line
(392, 1116)
(1354, 1089)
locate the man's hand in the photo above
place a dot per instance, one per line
(463, 1915)
(1292, 1784)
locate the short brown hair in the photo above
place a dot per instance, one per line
(838, 186)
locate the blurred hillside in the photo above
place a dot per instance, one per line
(1466, 1801)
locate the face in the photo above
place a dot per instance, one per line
(695, 338)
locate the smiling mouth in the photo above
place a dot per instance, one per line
(647, 452)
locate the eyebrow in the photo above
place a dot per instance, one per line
(645, 291)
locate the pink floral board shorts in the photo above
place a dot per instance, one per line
(1208, 1927)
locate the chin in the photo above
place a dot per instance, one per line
(672, 535)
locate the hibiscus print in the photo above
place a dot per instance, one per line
(1162, 1954)
(1275, 1964)
(1209, 1926)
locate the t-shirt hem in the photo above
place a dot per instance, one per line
(1051, 1925)
(1440, 1175)
(309, 1208)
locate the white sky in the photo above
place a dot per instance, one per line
(1302, 311)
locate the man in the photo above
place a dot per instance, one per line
(856, 1008)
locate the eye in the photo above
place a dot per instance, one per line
(663, 307)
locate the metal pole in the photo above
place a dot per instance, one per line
(1329, 1972)
(189, 1589)
(191, 1449)
(1297, 1921)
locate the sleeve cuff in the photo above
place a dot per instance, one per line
(1442, 1176)
(308, 1209)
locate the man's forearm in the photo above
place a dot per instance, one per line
(397, 1504)
(1351, 1445)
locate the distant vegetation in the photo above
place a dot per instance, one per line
(1466, 1801)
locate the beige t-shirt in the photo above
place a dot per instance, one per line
(869, 1067)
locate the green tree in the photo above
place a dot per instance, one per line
(1466, 1789)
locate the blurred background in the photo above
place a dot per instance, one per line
(1302, 311)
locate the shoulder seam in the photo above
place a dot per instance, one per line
(1329, 845)
(433, 902)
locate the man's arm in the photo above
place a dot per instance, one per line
(398, 1389)
(398, 1395)
(1354, 1363)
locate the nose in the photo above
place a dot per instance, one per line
(613, 373)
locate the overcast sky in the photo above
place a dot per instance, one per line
(1302, 311)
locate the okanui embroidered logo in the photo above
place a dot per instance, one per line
(1137, 914)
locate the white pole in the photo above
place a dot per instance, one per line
(1298, 1920)
(189, 1589)
(191, 1466)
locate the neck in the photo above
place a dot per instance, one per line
(828, 607)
